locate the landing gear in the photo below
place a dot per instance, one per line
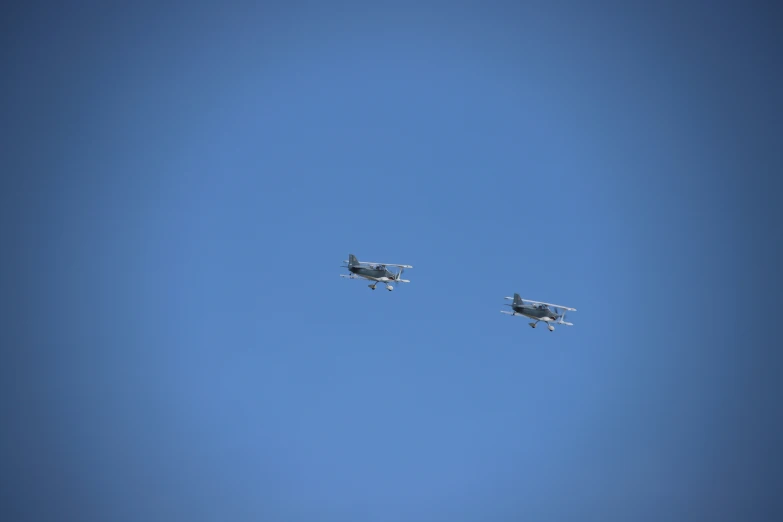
(389, 288)
(533, 325)
(551, 328)
(372, 286)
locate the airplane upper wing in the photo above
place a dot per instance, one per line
(548, 304)
(384, 264)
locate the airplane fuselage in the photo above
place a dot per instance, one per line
(371, 273)
(539, 314)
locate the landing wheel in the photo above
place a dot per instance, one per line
(372, 287)
(532, 325)
(551, 328)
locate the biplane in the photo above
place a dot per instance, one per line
(376, 272)
(538, 311)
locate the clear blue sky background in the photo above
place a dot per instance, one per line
(193, 178)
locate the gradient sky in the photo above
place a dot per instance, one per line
(186, 182)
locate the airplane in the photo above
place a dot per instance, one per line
(538, 311)
(374, 272)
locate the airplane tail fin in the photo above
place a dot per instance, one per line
(352, 261)
(517, 300)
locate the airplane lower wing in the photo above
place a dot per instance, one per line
(378, 279)
(546, 321)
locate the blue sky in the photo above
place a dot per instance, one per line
(195, 177)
